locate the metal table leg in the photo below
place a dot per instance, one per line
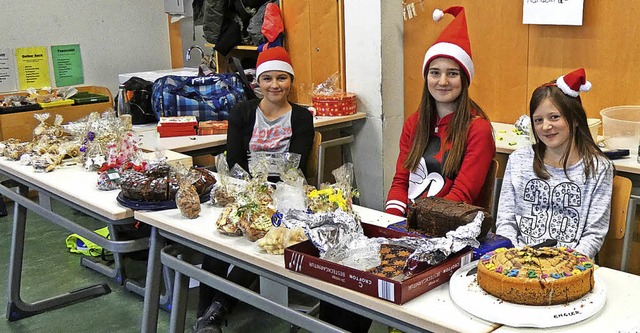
(180, 290)
(118, 272)
(109, 245)
(16, 307)
(170, 257)
(166, 298)
(152, 284)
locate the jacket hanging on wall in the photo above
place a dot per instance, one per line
(225, 22)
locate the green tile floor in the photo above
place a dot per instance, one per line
(49, 269)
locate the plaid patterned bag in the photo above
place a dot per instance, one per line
(205, 97)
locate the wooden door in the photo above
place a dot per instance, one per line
(315, 42)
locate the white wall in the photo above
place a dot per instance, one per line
(115, 36)
(374, 71)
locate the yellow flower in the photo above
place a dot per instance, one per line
(338, 199)
(316, 193)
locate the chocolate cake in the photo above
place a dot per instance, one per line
(159, 184)
(435, 217)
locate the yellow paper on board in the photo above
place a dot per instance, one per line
(33, 67)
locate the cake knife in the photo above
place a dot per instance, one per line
(546, 243)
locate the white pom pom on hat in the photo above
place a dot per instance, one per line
(453, 41)
(573, 83)
(437, 15)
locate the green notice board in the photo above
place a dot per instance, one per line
(67, 65)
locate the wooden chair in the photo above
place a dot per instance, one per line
(611, 253)
(486, 197)
(312, 160)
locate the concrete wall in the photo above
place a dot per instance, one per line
(115, 36)
(374, 71)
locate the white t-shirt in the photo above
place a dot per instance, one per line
(270, 137)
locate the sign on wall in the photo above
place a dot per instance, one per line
(67, 65)
(7, 71)
(33, 67)
(555, 12)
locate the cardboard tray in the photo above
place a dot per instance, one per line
(303, 258)
(62, 102)
(85, 97)
(21, 108)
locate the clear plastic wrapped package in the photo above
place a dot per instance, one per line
(277, 239)
(230, 182)
(333, 196)
(187, 198)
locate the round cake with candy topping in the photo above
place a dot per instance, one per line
(544, 276)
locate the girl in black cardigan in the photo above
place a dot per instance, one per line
(270, 124)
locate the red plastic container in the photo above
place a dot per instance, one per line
(342, 104)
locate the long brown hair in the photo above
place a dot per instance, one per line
(456, 135)
(573, 113)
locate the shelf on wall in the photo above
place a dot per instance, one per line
(239, 47)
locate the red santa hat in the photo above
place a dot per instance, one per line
(573, 83)
(274, 59)
(453, 42)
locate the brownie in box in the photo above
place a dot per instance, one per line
(303, 258)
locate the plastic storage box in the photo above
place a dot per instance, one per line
(621, 127)
(594, 126)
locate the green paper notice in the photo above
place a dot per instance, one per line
(67, 65)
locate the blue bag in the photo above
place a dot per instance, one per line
(205, 97)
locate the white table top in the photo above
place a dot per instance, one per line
(72, 183)
(507, 141)
(150, 140)
(433, 310)
(620, 312)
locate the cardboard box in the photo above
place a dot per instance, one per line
(211, 127)
(173, 158)
(177, 126)
(20, 125)
(303, 258)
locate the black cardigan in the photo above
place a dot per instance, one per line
(242, 118)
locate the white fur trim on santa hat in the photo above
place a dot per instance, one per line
(437, 15)
(568, 91)
(274, 65)
(452, 51)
